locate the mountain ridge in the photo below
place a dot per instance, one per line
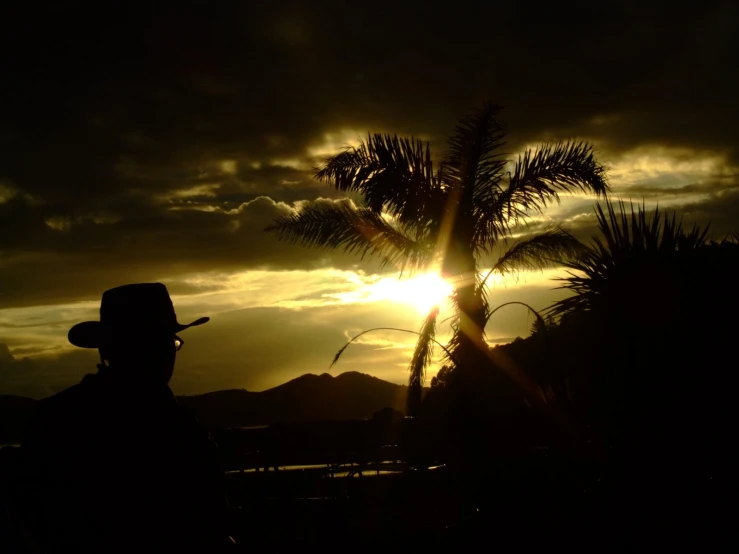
(308, 397)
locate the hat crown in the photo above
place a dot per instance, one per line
(141, 304)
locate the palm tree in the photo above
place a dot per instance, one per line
(416, 213)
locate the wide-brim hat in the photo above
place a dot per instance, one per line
(130, 311)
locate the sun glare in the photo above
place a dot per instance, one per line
(421, 291)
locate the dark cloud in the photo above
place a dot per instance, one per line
(712, 205)
(86, 257)
(713, 186)
(171, 90)
(721, 210)
(107, 123)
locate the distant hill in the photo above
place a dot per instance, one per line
(351, 395)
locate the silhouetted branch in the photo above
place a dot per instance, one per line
(355, 337)
(539, 318)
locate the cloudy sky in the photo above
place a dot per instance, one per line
(156, 144)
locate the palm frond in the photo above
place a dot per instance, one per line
(453, 345)
(338, 354)
(547, 249)
(557, 167)
(540, 321)
(421, 359)
(355, 337)
(393, 174)
(472, 162)
(343, 226)
(538, 179)
(473, 155)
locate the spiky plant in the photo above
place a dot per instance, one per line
(629, 239)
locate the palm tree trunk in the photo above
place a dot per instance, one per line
(468, 396)
(471, 349)
(469, 345)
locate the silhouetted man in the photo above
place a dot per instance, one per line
(115, 463)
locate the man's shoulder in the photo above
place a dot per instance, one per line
(68, 401)
(57, 416)
(70, 395)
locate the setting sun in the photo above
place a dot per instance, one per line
(421, 291)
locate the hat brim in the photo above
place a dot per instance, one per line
(93, 334)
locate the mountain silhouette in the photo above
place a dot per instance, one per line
(310, 397)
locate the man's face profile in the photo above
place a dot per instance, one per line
(146, 356)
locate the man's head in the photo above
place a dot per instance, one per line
(136, 334)
(147, 357)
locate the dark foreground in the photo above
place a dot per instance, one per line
(535, 502)
(533, 506)
(411, 511)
